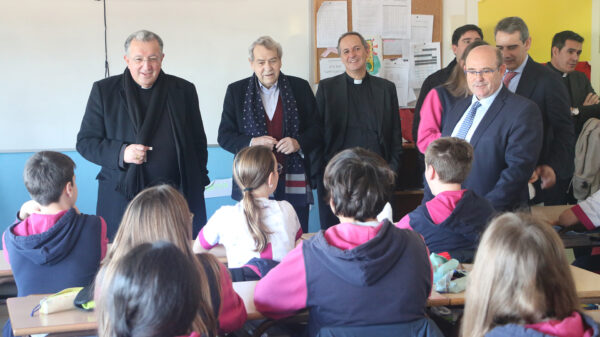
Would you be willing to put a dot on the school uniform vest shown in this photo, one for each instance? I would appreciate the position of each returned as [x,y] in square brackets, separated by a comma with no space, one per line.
[460,231]
[382,281]
[66,255]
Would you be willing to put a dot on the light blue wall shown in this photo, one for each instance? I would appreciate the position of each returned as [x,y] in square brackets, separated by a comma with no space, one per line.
[13,192]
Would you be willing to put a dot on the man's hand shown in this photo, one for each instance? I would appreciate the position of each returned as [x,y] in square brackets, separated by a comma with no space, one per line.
[267,141]
[534,177]
[287,145]
[29,208]
[591,99]
[135,154]
[546,173]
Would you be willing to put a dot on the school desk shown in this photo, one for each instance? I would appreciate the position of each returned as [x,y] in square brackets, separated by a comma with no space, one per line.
[587,285]
[550,214]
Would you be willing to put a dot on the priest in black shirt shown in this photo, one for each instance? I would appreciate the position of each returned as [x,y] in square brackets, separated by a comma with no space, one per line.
[144,128]
[355,109]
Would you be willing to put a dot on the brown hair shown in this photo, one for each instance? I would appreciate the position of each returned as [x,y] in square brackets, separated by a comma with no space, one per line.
[251,169]
[521,276]
[359,183]
[451,158]
[161,213]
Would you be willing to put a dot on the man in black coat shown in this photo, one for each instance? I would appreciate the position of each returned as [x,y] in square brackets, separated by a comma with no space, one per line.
[532,80]
[355,109]
[278,111]
[144,128]
[585,103]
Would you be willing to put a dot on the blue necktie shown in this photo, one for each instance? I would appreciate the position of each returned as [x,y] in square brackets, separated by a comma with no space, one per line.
[466,124]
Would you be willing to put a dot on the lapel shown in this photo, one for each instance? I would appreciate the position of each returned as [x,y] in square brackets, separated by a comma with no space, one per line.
[129,113]
[378,94]
[175,99]
[490,115]
[340,106]
[528,79]
[455,115]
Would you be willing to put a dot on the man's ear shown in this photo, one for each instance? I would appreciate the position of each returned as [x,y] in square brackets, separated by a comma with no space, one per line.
[555,51]
[69,189]
[430,172]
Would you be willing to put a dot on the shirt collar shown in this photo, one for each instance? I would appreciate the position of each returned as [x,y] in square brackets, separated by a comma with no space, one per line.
[270,90]
[486,102]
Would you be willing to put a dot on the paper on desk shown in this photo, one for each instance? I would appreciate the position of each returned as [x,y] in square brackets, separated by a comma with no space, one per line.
[396,21]
[396,47]
[218,188]
[425,59]
[421,28]
[396,70]
[329,67]
[367,16]
[331,23]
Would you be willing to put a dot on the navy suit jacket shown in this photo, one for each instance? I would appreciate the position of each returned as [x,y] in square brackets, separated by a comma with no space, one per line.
[506,144]
[546,89]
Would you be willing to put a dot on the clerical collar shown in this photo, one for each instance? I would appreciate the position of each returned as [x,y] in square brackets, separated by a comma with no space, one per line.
[551,66]
[355,81]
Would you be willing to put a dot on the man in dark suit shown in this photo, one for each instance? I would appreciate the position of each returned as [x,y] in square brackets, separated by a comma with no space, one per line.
[144,128]
[355,109]
[461,38]
[585,104]
[278,111]
[529,79]
[504,129]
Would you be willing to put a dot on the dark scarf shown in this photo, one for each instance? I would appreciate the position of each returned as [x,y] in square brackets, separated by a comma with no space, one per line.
[255,125]
[144,126]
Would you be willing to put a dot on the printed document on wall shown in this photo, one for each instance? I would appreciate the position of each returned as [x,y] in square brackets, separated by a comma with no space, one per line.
[329,67]
[421,28]
[331,23]
[396,23]
[425,60]
[367,16]
[397,70]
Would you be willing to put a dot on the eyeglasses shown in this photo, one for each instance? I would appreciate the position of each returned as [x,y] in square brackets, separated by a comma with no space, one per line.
[150,59]
[483,72]
[279,168]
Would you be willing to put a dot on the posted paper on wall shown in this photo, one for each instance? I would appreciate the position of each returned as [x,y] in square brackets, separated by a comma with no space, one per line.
[367,16]
[396,19]
[396,71]
[329,67]
[425,60]
[421,28]
[396,47]
[331,23]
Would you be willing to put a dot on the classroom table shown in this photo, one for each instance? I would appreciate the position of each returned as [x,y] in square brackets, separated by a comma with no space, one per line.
[587,285]
[550,214]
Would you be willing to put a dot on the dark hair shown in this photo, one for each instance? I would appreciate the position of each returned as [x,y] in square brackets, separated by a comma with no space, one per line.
[362,41]
[251,169]
[513,24]
[457,82]
[46,174]
[151,291]
[460,31]
[560,39]
[451,158]
[359,182]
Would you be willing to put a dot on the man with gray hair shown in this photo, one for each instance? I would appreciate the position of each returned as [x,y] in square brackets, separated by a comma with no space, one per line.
[144,128]
[277,111]
[356,109]
[532,80]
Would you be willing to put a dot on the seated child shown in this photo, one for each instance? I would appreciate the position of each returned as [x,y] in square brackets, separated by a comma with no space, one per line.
[255,227]
[521,284]
[152,291]
[583,217]
[453,220]
[53,246]
[161,213]
[360,272]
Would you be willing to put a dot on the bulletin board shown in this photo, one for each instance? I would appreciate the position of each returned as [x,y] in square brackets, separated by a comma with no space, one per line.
[428,7]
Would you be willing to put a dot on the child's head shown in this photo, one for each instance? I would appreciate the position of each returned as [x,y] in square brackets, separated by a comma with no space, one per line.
[451,159]
[48,175]
[359,183]
[161,213]
[521,275]
[151,291]
[256,173]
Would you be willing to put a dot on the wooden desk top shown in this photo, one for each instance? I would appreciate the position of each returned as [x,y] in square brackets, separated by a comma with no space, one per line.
[548,214]
[587,285]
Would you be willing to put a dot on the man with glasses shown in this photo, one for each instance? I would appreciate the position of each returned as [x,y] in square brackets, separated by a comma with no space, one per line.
[504,129]
[530,79]
[277,111]
[144,128]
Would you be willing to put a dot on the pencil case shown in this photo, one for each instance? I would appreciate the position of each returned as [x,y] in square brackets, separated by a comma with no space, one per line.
[61,301]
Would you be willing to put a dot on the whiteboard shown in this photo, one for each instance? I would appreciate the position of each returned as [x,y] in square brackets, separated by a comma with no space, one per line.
[52,52]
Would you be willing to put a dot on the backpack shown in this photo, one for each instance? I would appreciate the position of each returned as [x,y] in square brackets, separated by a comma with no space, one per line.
[586,178]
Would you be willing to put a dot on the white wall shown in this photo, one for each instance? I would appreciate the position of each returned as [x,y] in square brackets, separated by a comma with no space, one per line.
[52,52]
[456,13]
